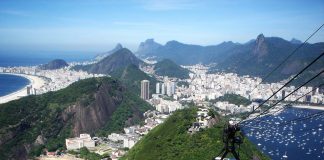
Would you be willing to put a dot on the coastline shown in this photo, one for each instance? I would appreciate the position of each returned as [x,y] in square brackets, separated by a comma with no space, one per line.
[35,81]
[308,107]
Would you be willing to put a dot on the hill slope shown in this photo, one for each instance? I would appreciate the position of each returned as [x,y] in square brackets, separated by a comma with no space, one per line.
[132,76]
[31,123]
[54,64]
[118,60]
[167,67]
[170,140]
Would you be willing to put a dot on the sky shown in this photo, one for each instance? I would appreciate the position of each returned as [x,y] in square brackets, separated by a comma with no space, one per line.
[98,25]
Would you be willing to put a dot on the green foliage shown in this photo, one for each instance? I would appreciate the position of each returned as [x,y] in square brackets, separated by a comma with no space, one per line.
[38,115]
[132,76]
[234,99]
[128,113]
[31,116]
[167,67]
[86,154]
[170,140]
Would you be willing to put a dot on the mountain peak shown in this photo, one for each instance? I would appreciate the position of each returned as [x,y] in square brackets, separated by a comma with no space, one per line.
[123,51]
[260,37]
[103,55]
[150,40]
[54,64]
[261,48]
[295,41]
[147,47]
[118,46]
[173,42]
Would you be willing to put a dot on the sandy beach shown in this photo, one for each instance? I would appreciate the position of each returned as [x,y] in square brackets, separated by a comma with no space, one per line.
[35,81]
[309,107]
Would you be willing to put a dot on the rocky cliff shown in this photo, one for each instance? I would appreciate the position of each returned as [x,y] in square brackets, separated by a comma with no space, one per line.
[30,124]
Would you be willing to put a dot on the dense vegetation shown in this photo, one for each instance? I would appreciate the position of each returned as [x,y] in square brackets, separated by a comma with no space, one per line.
[167,67]
[124,115]
[170,140]
[132,76]
[234,99]
[86,154]
[35,115]
[23,120]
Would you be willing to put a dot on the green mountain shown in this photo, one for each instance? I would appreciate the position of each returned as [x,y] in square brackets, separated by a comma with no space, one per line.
[96,106]
[132,76]
[167,67]
[171,141]
[118,60]
[54,64]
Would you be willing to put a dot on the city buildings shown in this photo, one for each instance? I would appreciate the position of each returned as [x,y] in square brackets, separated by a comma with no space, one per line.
[78,142]
[145,89]
[157,88]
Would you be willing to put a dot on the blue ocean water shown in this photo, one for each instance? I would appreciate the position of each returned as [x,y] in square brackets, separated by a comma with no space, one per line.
[302,139]
[11,83]
[28,58]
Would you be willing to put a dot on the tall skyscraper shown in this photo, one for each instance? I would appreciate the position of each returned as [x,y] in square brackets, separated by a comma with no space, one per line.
[169,89]
[145,89]
[173,87]
[157,88]
[163,89]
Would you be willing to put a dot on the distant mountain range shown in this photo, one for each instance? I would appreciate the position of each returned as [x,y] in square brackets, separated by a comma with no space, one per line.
[96,106]
[184,54]
[256,57]
[54,64]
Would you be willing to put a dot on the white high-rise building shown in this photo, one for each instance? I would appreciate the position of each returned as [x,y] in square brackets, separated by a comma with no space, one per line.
[145,89]
[163,89]
[173,86]
[169,89]
[157,88]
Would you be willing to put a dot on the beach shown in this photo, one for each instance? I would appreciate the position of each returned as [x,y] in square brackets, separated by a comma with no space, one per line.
[309,107]
[35,81]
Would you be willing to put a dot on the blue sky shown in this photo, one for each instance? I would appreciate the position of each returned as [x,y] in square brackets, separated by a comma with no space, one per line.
[97,26]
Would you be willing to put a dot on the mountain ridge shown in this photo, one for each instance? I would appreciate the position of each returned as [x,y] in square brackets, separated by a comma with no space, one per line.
[255,57]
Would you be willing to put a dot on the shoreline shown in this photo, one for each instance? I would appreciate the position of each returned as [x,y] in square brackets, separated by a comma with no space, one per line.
[35,81]
[305,106]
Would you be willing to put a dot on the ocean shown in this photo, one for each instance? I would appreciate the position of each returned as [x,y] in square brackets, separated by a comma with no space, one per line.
[11,58]
[11,83]
[302,139]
